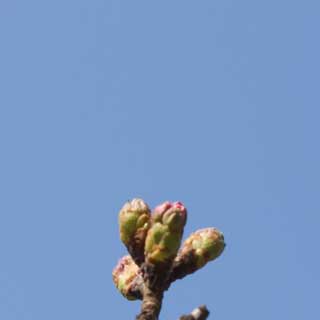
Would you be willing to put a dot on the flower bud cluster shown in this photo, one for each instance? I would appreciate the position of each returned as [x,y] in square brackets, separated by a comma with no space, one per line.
[153,241]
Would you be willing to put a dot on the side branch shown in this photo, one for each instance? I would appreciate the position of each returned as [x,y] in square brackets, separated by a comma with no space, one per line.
[200,313]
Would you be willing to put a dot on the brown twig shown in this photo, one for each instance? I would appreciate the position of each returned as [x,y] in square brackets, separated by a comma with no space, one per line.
[155,277]
[136,254]
[200,313]
[181,267]
[151,304]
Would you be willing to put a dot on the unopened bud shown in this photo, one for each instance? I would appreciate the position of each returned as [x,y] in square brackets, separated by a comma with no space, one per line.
[203,245]
[164,236]
[127,278]
[134,222]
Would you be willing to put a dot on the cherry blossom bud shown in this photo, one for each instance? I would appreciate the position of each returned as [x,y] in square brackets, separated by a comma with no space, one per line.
[164,236]
[134,222]
[203,245]
[127,278]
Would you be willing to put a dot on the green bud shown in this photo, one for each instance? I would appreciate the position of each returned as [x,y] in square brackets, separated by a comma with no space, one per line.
[134,222]
[203,246]
[127,278]
[164,236]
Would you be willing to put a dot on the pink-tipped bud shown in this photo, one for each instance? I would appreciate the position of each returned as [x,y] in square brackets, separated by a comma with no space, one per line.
[127,277]
[164,236]
[172,214]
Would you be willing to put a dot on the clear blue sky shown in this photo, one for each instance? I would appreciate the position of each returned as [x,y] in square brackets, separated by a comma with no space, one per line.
[214,103]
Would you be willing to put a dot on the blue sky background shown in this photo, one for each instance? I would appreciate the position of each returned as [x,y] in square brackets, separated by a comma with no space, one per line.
[214,103]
